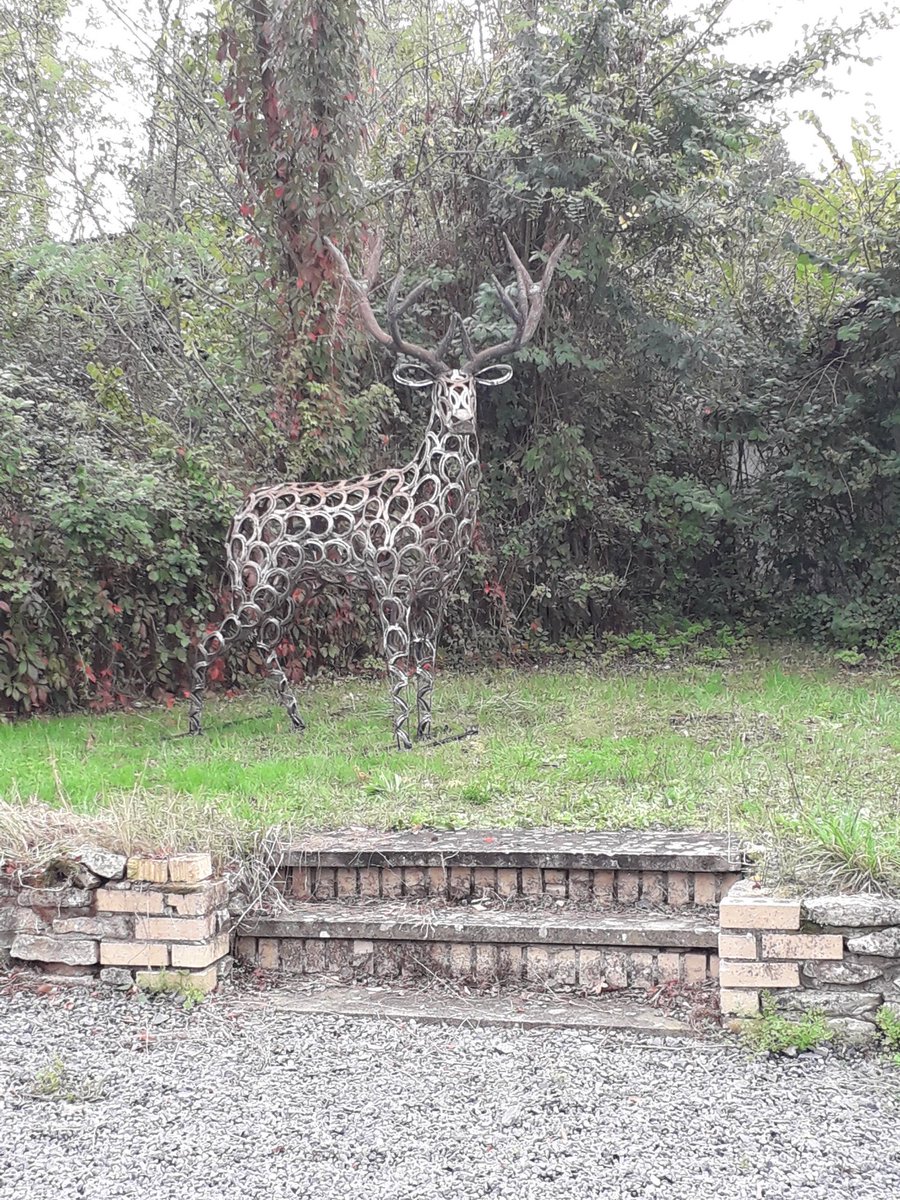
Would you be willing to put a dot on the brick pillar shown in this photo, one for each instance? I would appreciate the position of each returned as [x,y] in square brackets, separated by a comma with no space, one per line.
[761,946]
[177,922]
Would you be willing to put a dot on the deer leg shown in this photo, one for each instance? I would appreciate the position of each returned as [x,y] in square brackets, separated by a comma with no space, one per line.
[270,636]
[212,646]
[426,626]
[394,614]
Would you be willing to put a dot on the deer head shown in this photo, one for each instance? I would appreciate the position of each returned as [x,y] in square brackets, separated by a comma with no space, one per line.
[455,390]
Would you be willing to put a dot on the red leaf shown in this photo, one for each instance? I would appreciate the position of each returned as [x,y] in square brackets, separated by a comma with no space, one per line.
[279,191]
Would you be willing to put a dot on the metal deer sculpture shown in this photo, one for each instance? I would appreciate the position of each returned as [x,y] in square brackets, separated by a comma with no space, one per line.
[400,535]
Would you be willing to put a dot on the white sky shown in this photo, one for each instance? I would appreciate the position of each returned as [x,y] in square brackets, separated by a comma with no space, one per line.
[118,26]
[861,87]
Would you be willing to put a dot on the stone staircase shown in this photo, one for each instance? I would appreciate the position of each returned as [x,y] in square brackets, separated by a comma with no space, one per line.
[593,913]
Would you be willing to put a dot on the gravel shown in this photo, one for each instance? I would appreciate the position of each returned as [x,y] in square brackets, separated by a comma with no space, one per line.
[237,1100]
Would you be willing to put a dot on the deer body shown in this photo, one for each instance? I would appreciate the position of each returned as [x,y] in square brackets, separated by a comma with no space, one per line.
[400,535]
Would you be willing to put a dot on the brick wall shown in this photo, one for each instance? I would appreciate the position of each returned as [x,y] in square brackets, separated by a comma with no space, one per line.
[126,920]
[838,954]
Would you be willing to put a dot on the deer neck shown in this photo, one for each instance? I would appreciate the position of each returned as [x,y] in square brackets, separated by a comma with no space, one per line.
[449,452]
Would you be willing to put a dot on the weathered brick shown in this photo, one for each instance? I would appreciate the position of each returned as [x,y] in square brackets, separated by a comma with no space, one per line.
[555,883]
[615,968]
[346,882]
[369,881]
[509,962]
[603,884]
[94,927]
[200,955]
[714,966]
[362,951]
[486,962]
[174,929]
[460,882]
[459,961]
[485,881]
[531,881]
[652,887]
[57,897]
[209,895]
[435,958]
[883,941]
[563,965]
[267,954]
[537,963]
[507,882]
[849,970]
[415,882]
[338,955]
[301,883]
[704,887]
[803,945]
[324,883]
[119,977]
[21,920]
[640,968]
[387,959]
[679,888]
[694,968]
[293,956]
[105,863]
[436,881]
[745,908]
[118,900]
[759,974]
[668,967]
[134,954]
[628,884]
[579,884]
[392,883]
[72,951]
[190,868]
[737,945]
[245,949]
[739,1002]
[591,975]
[147,870]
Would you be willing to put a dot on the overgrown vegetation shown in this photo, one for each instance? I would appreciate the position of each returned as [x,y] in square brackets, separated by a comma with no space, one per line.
[776,751]
[174,984]
[773,1033]
[57,1082]
[888,1021]
[706,428]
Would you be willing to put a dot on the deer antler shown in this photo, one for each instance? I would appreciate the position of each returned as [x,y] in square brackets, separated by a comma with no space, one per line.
[395,310]
[525,312]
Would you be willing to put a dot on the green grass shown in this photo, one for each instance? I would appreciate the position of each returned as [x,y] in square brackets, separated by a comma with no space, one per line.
[803,754]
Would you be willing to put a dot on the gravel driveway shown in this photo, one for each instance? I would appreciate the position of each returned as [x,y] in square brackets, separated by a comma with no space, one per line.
[229,1101]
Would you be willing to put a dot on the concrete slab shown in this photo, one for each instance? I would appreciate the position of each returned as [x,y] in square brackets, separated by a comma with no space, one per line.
[647,850]
[426,921]
[512,1010]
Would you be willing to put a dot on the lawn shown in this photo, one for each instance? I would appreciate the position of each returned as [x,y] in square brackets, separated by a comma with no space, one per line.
[795,752]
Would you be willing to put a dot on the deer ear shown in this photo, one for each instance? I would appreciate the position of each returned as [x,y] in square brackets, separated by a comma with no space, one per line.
[494,375]
[412,375]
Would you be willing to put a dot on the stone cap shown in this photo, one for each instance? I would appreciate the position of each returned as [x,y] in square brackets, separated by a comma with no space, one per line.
[405,921]
[550,848]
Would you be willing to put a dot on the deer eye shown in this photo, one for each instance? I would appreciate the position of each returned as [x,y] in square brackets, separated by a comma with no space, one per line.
[493,375]
[412,375]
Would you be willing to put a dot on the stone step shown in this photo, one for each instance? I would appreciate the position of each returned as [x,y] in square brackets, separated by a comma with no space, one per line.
[586,948]
[511,1009]
[677,869]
